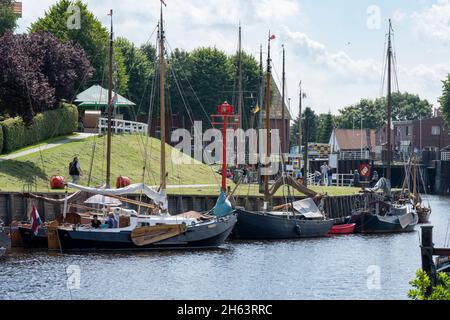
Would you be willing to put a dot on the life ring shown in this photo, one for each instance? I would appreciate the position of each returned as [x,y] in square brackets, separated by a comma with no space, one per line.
[298,229]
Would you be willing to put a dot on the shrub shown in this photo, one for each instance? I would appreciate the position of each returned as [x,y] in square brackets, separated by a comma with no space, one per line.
[1,139]
[45,125]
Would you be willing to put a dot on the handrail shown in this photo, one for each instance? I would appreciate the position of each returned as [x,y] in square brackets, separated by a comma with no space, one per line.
[121,126]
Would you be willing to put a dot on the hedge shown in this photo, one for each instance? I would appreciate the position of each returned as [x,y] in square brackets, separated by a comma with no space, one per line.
[1,139]
[61,121]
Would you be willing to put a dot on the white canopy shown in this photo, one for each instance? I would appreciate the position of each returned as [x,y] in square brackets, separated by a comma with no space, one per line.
[159,198]
[308,208]
[103,200]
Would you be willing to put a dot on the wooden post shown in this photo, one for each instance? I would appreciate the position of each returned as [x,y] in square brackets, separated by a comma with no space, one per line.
[427,249]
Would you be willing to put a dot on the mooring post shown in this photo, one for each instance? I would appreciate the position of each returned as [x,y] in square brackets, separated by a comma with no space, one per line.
[427,249]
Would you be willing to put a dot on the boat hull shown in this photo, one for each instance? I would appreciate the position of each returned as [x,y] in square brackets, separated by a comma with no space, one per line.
[343,229]
[196,237]
[369,223]
[31,240]
[261,226]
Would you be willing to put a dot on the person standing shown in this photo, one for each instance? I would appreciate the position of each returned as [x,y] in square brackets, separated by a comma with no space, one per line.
[324,169]
[356,178]
[75,170]
[375,178]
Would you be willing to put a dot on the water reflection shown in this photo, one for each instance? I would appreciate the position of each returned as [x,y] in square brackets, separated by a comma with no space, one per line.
[328,268]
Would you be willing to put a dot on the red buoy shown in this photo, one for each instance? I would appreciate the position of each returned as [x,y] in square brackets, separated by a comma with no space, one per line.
[57,182]
[122,182]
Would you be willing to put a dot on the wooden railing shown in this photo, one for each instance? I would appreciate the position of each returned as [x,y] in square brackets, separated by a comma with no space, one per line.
[122,126]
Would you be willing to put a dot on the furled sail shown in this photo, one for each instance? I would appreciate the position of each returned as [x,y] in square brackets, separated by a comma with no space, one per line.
[160,198]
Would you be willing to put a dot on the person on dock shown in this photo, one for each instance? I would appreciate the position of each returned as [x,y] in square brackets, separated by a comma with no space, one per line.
[95,223]
[356,178]
[375,179]
[324,169]
[75,170]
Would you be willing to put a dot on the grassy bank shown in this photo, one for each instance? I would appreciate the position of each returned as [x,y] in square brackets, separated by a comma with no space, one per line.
[128,154]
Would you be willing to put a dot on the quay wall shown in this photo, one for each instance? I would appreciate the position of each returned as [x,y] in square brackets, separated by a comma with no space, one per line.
[13,206]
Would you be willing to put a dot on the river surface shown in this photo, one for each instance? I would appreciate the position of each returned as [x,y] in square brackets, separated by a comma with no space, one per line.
[342,267]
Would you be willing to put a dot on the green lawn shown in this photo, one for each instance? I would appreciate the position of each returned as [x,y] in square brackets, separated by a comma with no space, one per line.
[128,154]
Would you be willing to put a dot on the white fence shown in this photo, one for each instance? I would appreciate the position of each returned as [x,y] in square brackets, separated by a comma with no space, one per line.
[122,126]
[445,156]
[339,180]
[355,155]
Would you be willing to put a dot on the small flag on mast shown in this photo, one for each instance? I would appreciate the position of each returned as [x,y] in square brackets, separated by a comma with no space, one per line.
[273,37]
[35,221]
[110,13]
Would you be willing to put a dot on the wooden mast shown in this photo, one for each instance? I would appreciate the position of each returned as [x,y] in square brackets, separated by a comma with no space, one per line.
[261,87]
[283,115]
[110,105]
[300,118]
[268,135]
[389,106]
[240,86]
[163,178]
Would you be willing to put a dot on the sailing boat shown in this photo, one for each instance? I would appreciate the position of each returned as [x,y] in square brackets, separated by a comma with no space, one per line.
[386,216]
[301,219]
[147,232]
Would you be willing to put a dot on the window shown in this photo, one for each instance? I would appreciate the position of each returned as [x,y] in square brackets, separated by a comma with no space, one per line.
[435,130]
[407,130]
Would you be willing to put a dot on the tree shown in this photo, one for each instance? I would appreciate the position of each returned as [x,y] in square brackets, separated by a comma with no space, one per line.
[39,71]
[310,118]
[445,100]
[405,106]
[325,127]
[8,19]
[138,70]
[422,282]
[92,36]
[211,73]
[250,82]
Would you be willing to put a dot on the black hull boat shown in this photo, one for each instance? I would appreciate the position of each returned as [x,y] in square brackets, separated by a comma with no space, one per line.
[272,226]
[207,235]
[31,240]
[398,220]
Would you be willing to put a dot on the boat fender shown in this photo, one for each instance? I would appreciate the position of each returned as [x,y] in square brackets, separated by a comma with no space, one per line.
[298,229]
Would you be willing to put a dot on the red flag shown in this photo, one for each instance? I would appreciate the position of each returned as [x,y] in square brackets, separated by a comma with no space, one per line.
[273,37]
[164,3]
[35,221]
[110,13]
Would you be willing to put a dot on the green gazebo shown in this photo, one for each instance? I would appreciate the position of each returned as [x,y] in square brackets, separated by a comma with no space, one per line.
[96,97]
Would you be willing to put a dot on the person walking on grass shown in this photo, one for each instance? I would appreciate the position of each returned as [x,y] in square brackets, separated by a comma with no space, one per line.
[75,170]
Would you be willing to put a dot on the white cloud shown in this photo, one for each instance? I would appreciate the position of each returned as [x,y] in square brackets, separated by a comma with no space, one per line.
[434,22]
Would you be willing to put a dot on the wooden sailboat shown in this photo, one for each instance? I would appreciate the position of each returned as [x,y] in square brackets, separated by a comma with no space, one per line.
[150,232]
[386,216]
[301,219]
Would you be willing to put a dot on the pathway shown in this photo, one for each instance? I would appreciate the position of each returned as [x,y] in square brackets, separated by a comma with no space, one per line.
[79,136]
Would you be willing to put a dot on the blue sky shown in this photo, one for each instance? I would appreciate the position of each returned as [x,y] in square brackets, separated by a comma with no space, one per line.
[334,46]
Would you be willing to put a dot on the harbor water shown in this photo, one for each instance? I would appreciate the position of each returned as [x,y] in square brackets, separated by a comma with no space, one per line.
[341,267]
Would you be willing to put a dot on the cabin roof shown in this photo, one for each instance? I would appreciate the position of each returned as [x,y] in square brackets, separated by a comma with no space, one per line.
[97,96]
[349,139]
[275,108]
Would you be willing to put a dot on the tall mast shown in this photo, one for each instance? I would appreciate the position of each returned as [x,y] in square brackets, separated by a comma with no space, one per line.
[261,86]
[300,118]
[163,106]
[240,86]
[267,109]
[110,106]
[389,106]
[283,90]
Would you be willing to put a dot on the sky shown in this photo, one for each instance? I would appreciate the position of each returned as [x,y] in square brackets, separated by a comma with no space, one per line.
[336,48]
